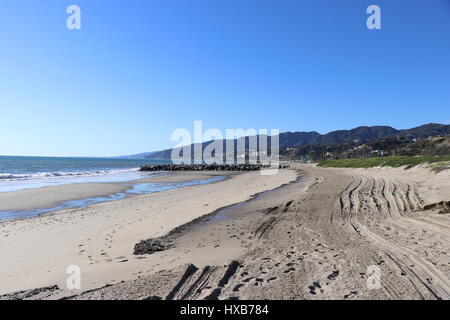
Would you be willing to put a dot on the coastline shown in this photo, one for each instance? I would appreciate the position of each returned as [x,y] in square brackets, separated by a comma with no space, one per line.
[100,238]
[48,199]
[299,242]
[52,196]
[295,235]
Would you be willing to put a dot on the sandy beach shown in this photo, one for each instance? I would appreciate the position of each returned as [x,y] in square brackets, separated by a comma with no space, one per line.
[100,238]
[236,151]
[317,234]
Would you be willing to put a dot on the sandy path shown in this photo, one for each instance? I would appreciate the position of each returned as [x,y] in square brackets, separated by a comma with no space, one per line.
[382,212]
[100,238]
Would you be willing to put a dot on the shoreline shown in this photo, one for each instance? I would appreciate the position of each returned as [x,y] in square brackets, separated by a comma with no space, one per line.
[100,238]
[49,199]
[51,196]
[291,236]
[298,243]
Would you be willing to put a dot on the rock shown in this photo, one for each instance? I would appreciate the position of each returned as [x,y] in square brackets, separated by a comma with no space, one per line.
[150,246]
[205,167]
[442,207]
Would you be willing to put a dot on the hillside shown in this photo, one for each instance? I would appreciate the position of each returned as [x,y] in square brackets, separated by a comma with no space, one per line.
[391,146]
[357,136]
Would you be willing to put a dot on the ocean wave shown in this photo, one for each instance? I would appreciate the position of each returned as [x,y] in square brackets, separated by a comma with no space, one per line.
[60,174]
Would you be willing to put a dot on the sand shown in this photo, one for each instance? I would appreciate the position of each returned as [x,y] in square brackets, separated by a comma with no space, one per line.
[320,237]
[182,176]
[433,187]
[100,238]
[50,197]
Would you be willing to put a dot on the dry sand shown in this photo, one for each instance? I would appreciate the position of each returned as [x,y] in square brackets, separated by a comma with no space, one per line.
[319,237]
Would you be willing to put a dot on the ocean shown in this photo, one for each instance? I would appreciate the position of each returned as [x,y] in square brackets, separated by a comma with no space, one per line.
[17,173]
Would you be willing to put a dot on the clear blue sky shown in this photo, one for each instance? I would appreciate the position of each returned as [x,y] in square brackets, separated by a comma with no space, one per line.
[137,70]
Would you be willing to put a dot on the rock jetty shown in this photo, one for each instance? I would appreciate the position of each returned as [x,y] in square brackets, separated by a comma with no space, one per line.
[204,167]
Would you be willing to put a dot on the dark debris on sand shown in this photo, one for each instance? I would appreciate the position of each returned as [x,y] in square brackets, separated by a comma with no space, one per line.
[150,246]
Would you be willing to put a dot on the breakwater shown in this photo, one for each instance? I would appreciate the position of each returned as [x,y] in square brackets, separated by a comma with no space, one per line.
[204,167]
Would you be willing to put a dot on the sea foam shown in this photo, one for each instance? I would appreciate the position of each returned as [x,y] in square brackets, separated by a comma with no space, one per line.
[60,174]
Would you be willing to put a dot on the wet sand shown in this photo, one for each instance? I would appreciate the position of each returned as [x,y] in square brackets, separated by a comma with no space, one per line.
[52,196]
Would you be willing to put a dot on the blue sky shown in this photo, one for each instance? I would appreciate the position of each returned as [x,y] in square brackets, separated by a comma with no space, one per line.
[138,70]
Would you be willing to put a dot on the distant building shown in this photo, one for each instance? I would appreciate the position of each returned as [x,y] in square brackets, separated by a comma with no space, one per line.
[378,152]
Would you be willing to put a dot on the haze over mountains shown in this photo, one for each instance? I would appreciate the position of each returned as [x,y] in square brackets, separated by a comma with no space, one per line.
[360,134]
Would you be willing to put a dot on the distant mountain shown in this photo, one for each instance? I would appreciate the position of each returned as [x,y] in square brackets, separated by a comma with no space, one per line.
[360,134]
[301,139]
[144,155]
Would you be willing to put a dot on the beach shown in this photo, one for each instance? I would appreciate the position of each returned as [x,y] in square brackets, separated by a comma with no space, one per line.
[304,233]
[36,252]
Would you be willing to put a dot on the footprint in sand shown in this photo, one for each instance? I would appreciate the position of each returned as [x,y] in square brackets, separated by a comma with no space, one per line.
[288,270]
[314,287]
[333,275]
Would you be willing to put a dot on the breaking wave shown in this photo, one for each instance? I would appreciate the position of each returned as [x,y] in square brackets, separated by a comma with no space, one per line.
[50,175]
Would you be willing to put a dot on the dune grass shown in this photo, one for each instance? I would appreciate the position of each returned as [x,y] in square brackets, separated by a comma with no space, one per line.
[409,162]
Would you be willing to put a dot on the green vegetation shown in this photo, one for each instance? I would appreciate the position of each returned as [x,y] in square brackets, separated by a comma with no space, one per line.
[383,162]
[385,147]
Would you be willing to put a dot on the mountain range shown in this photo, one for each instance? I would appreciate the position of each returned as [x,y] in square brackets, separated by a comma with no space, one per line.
[360,134]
